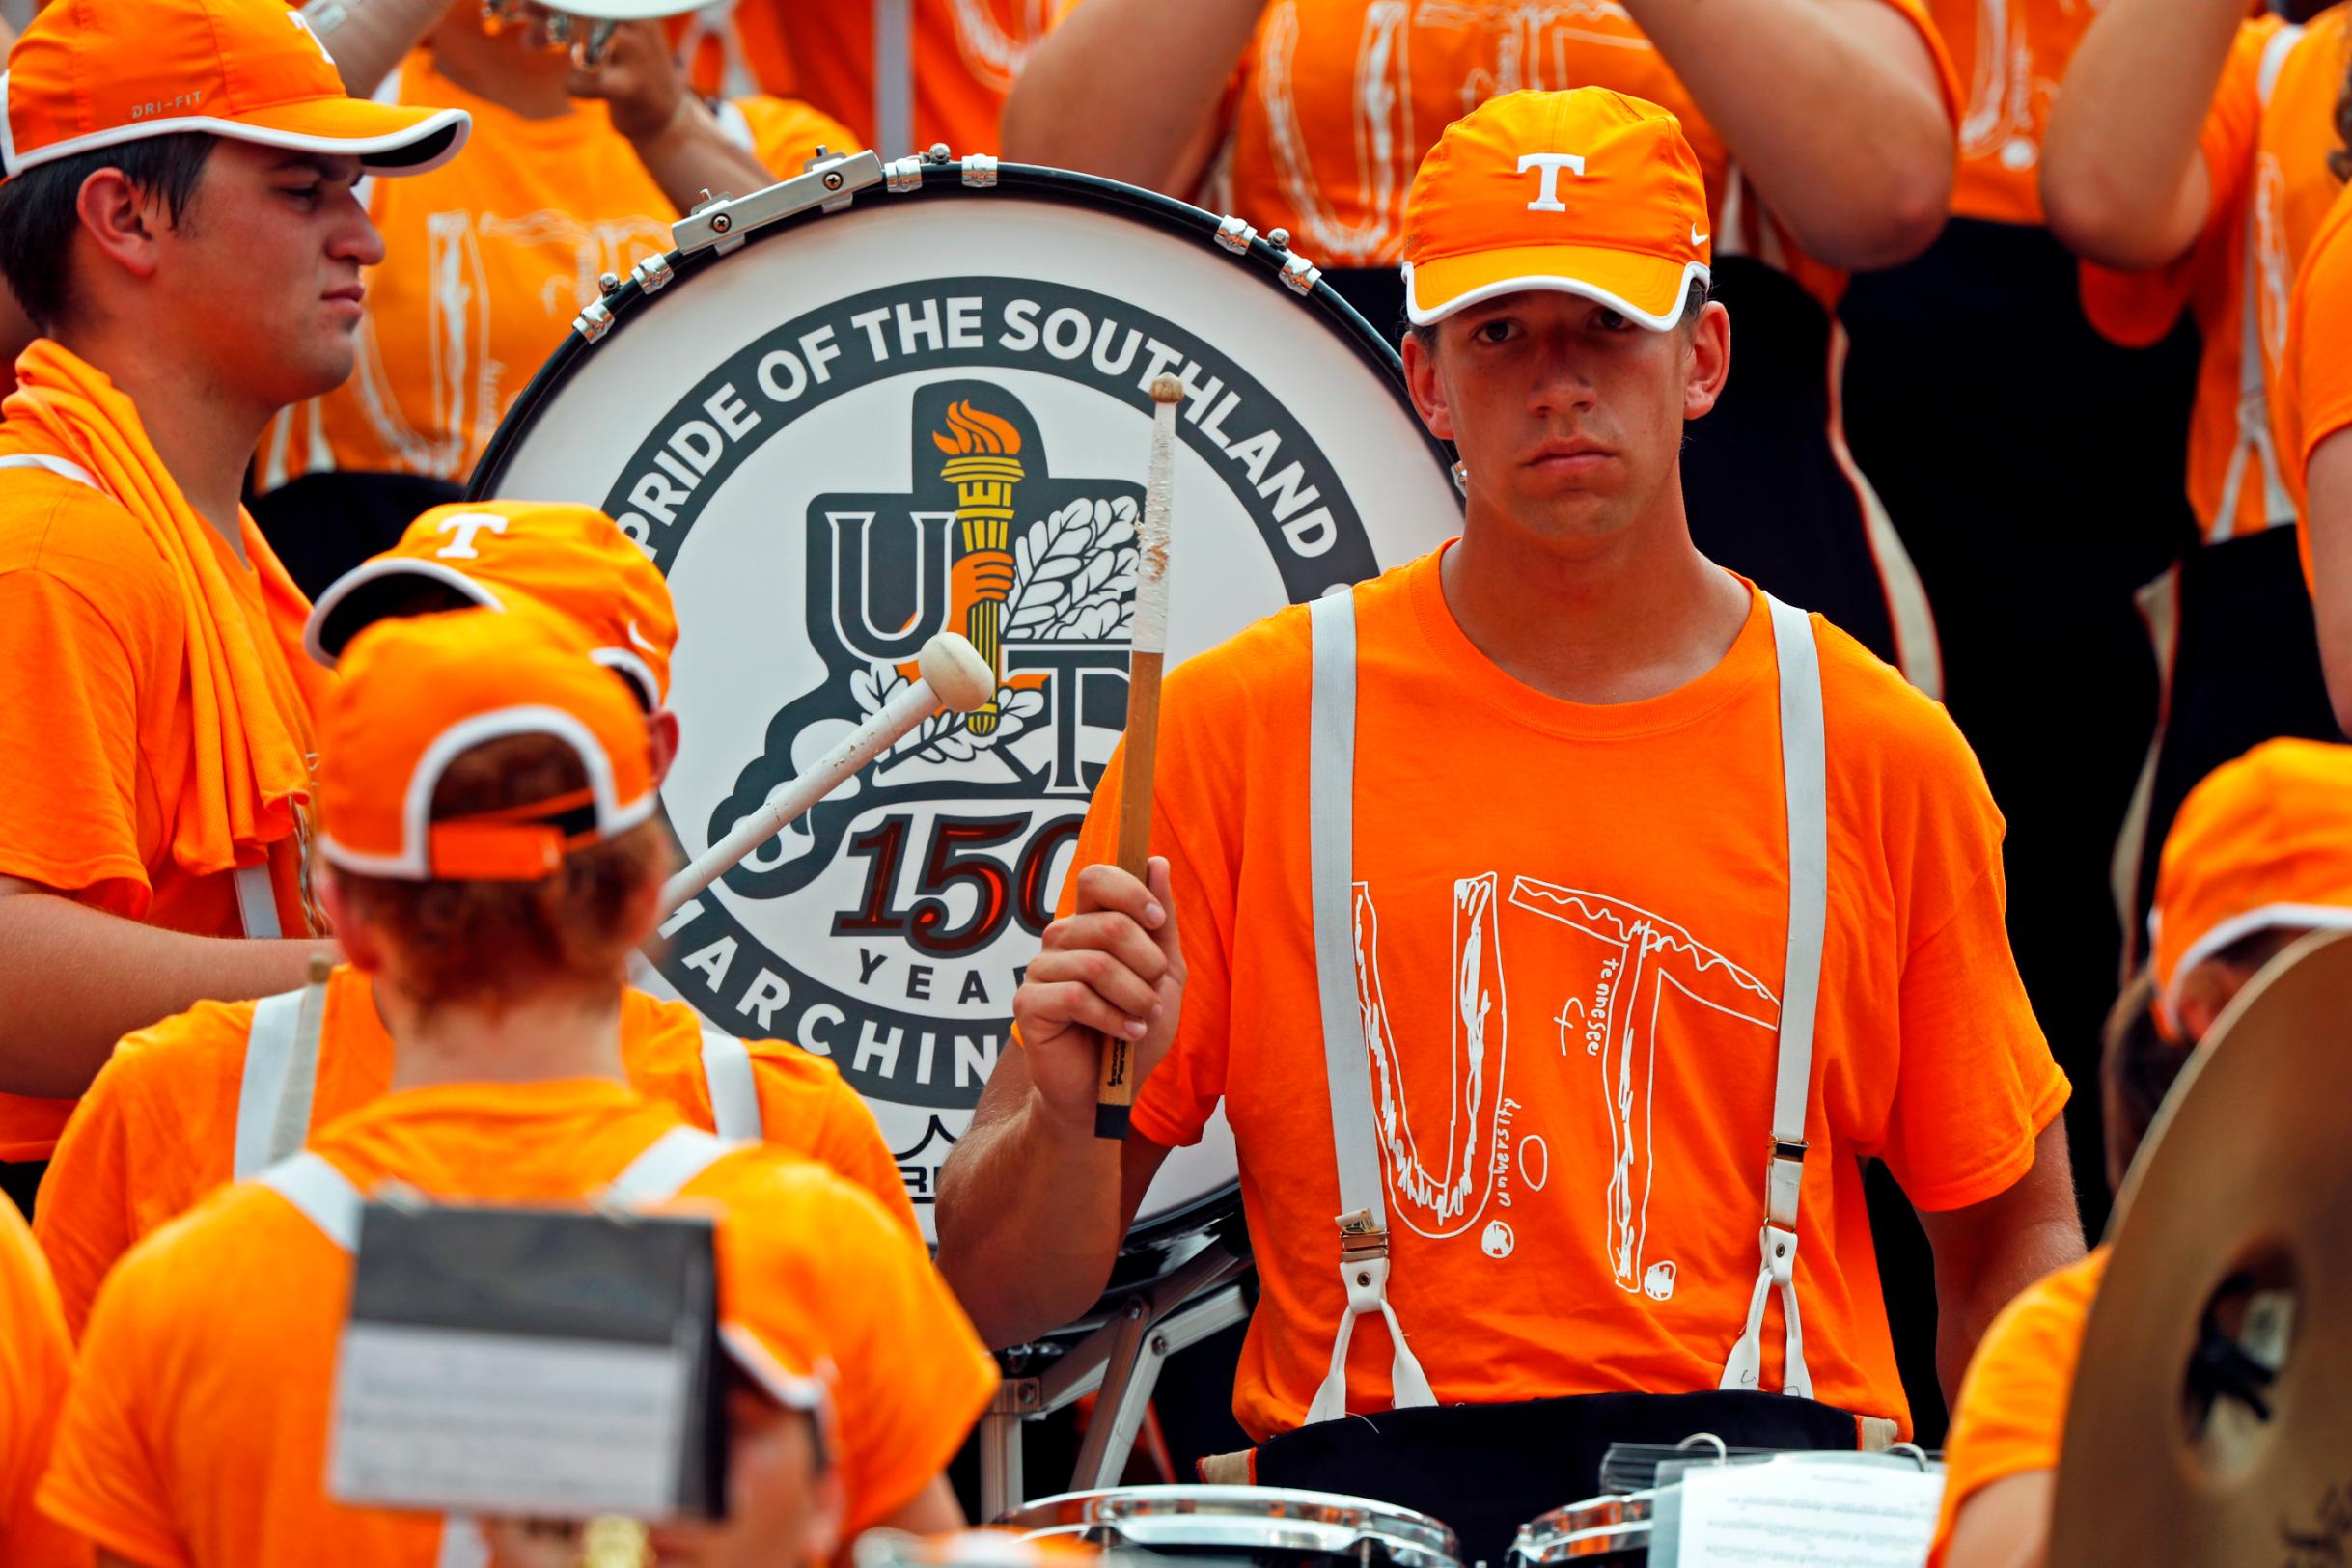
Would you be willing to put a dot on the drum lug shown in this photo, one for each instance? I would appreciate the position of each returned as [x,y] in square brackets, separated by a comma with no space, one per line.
[1236,234]
[980,171]
[724,221]
[904,175]
[652,274]
[593,323]
[1301,275]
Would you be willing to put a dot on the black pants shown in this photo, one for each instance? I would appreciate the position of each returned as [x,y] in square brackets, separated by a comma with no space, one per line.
[2035,471]
[21,1180]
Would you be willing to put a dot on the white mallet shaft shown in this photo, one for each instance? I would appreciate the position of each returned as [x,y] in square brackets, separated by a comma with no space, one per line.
[954,675]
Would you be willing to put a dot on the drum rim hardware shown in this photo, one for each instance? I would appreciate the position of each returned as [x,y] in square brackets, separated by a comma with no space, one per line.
[1326,1522]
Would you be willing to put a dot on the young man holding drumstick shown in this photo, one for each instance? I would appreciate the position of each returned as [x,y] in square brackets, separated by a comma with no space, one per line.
[1561,983]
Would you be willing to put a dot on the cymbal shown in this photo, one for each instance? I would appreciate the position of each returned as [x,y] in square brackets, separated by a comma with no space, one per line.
[2234,1234]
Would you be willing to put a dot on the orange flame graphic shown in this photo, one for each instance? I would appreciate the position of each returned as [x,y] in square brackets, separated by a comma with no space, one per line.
[976,430]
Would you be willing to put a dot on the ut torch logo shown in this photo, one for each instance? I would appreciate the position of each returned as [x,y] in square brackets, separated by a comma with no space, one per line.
[984,465]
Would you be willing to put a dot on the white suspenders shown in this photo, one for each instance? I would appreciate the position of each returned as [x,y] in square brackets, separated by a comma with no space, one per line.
[273,1100]
[1363,1250]
[327,1199]
[257,904]
[2254,436]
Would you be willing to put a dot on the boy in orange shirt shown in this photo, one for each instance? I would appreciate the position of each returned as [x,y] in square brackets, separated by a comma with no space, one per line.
[1560,964]
[487,797]
[36,1365]
[2260,855]
[193,1102]
[193,260]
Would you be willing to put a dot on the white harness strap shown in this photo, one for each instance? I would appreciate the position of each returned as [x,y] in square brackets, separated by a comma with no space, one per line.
[2254,445]
[59,466]
[257,904]
[1804,786]
[894,79]
[670,1161]
[734,1097]
[325,1197]
[274,1099]
[1363,1220]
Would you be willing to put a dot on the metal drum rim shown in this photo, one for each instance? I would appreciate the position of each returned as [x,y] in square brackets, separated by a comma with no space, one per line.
[1545,1538]
[945,181]
[1414,1537]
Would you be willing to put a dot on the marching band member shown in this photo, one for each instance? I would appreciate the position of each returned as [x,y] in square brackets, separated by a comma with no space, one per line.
[2260,856]
[2189,164]
[2313,415]
[1587,993]
[187,1105]
[36,1365]
[1824,133]
[487,260]
[486,802]
[194,264]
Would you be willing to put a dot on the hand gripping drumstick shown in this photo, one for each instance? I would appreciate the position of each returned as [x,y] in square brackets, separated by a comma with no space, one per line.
[954,675]
[1115,1089]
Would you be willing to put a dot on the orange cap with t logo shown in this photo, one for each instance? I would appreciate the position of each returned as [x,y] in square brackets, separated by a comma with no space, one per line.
[1587,192]
[557,557]
[95,74]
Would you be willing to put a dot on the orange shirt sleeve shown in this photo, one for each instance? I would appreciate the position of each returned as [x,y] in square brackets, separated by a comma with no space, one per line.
[1947,74]
[1976,1081]
[2012,1416]
[36,1369]
[84,1219]
[786,133]
[105,1478]
[837,1129]
[69,745]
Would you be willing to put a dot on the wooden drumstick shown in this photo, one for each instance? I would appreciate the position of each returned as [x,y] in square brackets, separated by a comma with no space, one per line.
[954,675]
[1115,1089]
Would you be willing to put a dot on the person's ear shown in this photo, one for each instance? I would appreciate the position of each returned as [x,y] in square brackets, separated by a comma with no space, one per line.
[662,734]
[355,933]
[1711,360]
[119,221]
[1428,390]
[828,1510]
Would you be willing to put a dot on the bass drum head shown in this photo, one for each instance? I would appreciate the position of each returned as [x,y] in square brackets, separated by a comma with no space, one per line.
[813,436]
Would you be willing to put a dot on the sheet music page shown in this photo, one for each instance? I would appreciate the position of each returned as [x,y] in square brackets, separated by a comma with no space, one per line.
[1819,1515]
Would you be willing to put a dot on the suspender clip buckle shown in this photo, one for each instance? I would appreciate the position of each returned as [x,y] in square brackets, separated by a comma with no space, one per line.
[1361,1237]
[1789,1149]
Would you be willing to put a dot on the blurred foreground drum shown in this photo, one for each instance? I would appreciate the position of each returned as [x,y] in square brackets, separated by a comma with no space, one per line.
[866,405]
[1604,1530]
[1263,1524]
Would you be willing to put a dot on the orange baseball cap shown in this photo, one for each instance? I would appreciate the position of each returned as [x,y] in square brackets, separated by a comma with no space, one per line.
[95,74]
[1587,192]
[553,557]
[2262,843]
[417,694]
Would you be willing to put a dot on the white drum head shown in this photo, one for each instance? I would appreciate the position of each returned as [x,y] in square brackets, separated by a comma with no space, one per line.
[780,431]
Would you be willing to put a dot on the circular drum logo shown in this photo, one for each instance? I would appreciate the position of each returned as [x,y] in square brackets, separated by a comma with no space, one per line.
[998,429]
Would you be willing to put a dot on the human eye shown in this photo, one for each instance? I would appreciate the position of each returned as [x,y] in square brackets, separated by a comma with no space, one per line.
[304,194]
[1495,329]
[1608,320]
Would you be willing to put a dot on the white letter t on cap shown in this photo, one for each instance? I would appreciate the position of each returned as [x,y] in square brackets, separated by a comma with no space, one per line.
[465,525]
[1548,199]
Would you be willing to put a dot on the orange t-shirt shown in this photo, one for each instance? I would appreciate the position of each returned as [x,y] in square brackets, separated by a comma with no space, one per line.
[1567,880]
[97,740]
[1337,101]
[195,1435]
[2313,401]
[2012,1411]
[36,1366]
[488,259]
[2012,55]
[965,57]
[157,1130]
[2266,156]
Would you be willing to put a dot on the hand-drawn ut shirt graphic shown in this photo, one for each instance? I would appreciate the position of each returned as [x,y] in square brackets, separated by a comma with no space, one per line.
[1623,1015]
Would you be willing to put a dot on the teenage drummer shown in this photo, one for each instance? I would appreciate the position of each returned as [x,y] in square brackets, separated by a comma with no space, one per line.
[487,263]
[1824,130]
[182,1106]
[1567,956]
[486,798]
[2260,857]
[194,264]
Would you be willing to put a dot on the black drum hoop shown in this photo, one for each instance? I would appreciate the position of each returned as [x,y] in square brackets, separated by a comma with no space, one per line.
[629,304]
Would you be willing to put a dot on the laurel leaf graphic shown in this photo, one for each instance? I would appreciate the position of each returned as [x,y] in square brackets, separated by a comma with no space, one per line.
[866,687]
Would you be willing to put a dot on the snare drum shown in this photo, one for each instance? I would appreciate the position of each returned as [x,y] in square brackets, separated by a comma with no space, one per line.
[1264,1525]
[863,407]
[1603,1531]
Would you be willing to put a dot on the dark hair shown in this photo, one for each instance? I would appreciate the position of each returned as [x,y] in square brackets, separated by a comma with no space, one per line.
[37,215]
[2137,1066]
[477,941]
[2340,156]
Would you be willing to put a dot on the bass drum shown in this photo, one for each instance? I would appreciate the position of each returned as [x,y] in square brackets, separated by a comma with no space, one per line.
[840,431]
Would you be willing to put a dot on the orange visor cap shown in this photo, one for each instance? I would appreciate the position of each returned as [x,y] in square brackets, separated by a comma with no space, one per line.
[417,694]
[95,74]
[1587,192]
[2262,843]
[559,559]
